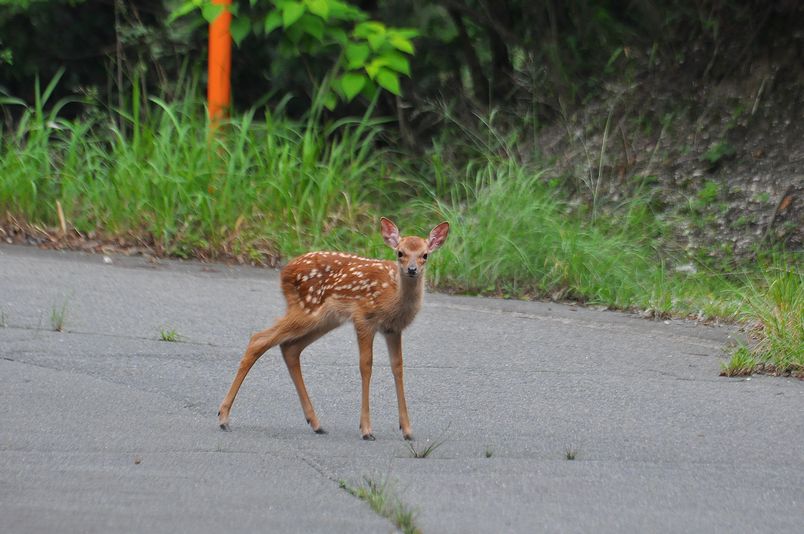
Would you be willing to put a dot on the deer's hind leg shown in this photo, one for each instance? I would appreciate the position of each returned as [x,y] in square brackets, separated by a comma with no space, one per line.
[284,329]
[291,352]
[365,339]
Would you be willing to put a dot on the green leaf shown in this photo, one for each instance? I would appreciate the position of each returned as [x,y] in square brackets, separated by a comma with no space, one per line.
[396,61]
[370,91]
[239,29]
[312,25]
[211,11]
[352,83]
[295,34]
[376,40]
[291,12]
[388,79]
[407,33]
[330,101]
[10,100]
[356,55]
[257,27]
[342,11]
[182,10]
[368,28]
[318,7]
[272,21]
[338,35]
[401,43]
[374,67]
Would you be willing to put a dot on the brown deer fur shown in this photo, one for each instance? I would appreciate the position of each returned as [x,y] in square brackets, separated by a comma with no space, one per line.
[325,289]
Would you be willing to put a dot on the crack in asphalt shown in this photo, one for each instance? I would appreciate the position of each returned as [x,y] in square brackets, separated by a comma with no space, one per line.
[113,336]
[525,370]
[593,325]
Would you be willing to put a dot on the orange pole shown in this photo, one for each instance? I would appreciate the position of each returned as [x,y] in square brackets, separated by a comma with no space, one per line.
[219,65]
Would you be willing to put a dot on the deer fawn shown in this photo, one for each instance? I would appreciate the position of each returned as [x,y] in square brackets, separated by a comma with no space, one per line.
[325,289]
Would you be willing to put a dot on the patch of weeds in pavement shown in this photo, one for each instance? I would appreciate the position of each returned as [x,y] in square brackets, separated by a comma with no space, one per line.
[742,363]
[430,446]
[776,331]
[426,451]
[58,316]
[3,319]
[570,453]
[489,452]
[168,334]
[379,494]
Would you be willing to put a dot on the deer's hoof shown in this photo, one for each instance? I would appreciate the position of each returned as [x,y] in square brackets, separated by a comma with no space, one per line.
[225,427]
[320,430]
[408,437]
[368,437]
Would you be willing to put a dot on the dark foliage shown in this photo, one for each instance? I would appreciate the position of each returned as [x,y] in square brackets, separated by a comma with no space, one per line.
[539,58]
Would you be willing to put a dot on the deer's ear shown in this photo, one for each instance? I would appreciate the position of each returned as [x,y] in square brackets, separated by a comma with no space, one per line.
[390,233]
[437,236]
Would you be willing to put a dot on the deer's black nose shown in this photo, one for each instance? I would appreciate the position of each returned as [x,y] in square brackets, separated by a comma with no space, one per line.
[412,271]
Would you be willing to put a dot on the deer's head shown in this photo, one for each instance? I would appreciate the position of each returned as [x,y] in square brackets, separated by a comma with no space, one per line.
[411,251]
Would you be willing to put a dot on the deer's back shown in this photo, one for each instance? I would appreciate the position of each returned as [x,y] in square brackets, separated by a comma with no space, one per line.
[339,283]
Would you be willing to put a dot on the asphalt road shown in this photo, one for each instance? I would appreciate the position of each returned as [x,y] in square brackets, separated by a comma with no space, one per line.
[105,428]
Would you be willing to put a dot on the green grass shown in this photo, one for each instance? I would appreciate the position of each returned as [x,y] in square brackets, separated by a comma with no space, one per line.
[774,314]
[381,498]
[425,451]
[259,188]
[168,334]
[741,363]
[58,316]
[513,235]
[268,187]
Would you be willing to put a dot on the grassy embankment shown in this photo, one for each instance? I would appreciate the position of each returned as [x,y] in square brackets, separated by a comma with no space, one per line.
[273,186]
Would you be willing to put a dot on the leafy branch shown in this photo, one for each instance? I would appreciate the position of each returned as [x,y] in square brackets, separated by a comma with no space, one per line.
[367,54]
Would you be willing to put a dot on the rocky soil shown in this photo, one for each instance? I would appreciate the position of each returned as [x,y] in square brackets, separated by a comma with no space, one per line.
[721,161]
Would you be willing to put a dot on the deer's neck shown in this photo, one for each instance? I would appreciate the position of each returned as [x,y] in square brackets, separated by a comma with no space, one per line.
[411,289]
[409,297]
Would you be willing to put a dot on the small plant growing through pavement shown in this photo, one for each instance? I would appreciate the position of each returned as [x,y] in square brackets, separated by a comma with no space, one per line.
[380,496]
[570,453]
[428,449]
[742,363]
[425,451]
[489,453]
[58,315]
[168,334]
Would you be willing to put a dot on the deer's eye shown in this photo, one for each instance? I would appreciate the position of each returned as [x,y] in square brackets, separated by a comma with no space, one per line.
[424,256]
[399,254]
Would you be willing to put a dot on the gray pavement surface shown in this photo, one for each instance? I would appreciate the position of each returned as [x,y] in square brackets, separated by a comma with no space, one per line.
[105,428]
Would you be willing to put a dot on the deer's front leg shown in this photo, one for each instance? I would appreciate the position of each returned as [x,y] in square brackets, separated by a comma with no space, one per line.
[394,342]
[365,340]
